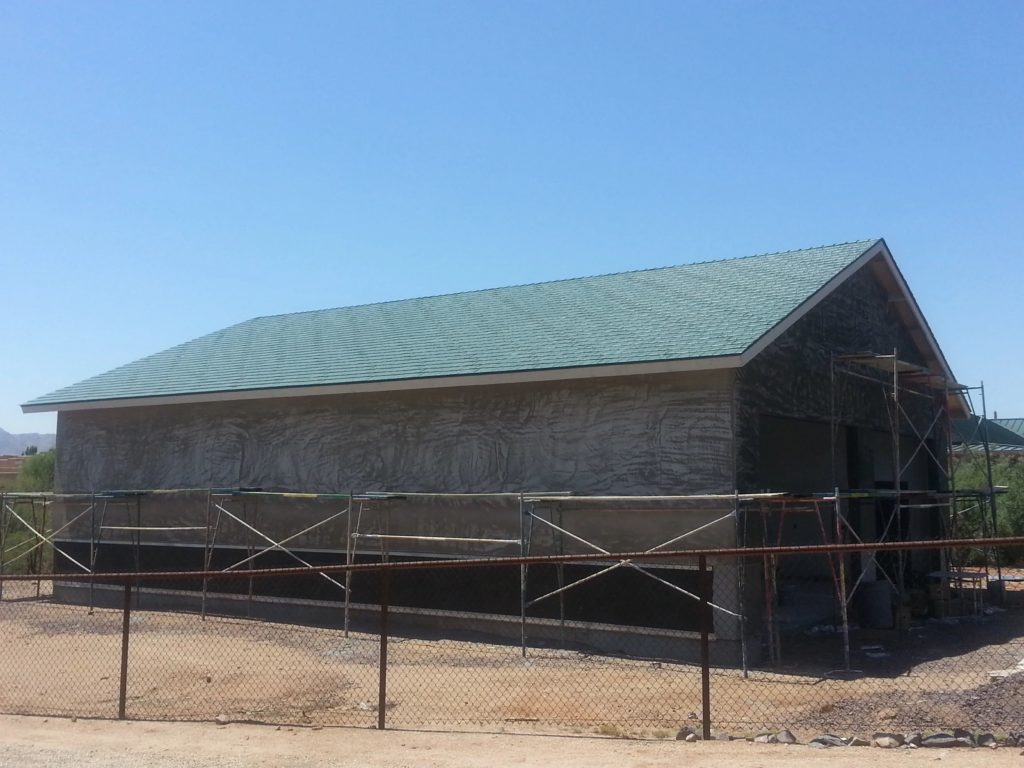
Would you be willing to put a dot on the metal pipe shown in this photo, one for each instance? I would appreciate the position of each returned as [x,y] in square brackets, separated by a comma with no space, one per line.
[210,504]
[522,575]
[138,548]
[898,478]
[39,560]
[560,573]
[382,685]
[805,549]
[3,538]
[348,559]
[122,696]
[842,587]
[705,647]
[404,537]
[741,585]
[692,497]
[250,549]
[206,559]
[97,535]
[92,547]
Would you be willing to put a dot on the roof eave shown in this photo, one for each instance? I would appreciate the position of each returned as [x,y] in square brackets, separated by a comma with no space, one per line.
[394,385]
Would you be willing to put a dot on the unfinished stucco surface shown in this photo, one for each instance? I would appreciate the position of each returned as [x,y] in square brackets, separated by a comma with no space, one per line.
[657,434]
[668,434]
[790,379]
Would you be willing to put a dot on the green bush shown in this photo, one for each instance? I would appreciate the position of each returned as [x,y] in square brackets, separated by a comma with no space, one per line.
[1006,471]
[37,473]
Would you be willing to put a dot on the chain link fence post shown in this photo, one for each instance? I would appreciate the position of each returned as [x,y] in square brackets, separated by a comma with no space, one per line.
[122,696]
[705,647]
[382,688]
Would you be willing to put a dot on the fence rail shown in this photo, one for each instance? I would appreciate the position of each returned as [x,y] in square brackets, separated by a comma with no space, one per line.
[738,641]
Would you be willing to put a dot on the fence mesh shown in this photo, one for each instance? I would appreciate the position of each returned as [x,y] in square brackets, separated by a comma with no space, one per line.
[945,651]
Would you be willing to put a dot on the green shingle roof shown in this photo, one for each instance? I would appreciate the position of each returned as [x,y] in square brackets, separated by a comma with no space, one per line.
[702,310]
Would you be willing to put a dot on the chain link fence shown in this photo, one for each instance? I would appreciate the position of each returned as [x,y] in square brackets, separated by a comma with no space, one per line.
[736,642]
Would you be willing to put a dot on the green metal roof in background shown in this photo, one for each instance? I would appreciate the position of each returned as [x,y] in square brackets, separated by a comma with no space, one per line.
[1004,432]
[710,309]
[1014,425]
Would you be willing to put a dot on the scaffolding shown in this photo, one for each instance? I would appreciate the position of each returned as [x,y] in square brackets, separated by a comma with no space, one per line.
[919,425]
[362,523]
[917,406]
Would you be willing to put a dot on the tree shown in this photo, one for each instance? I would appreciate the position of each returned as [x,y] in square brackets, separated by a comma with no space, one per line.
[1007,471]
[37,473]
[32,450]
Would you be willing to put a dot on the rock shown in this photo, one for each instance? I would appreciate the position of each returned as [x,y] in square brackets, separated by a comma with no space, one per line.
[896,739]
[913,739]
[683,733]
[961,733]
[691,737]
[785,736]
[888,714]
[987,740]
[857,741]
[222,719]
[940,741]
[886,742]
[766,738]
[827,740]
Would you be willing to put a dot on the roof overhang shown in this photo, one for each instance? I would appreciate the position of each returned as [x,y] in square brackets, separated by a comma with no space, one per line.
[398,385]
[877,258]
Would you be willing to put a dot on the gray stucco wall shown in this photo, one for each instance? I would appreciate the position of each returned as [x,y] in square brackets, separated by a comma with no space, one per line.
[666,434]
[656,434]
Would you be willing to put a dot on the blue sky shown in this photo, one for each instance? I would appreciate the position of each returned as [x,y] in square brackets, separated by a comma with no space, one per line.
[167,169]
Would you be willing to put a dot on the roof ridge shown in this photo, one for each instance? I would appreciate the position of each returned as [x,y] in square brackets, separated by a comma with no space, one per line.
[578,278]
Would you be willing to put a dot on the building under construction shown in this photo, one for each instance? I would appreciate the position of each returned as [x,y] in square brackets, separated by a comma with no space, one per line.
[787,398]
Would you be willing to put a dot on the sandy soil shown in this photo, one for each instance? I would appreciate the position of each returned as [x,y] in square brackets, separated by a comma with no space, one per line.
[59,660]
[31,742]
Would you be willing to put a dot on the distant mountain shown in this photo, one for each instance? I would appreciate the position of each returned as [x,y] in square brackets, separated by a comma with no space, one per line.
[16,444]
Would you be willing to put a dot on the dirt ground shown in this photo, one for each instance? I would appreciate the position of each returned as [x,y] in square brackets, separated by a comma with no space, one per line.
[60,660]
[28,742]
